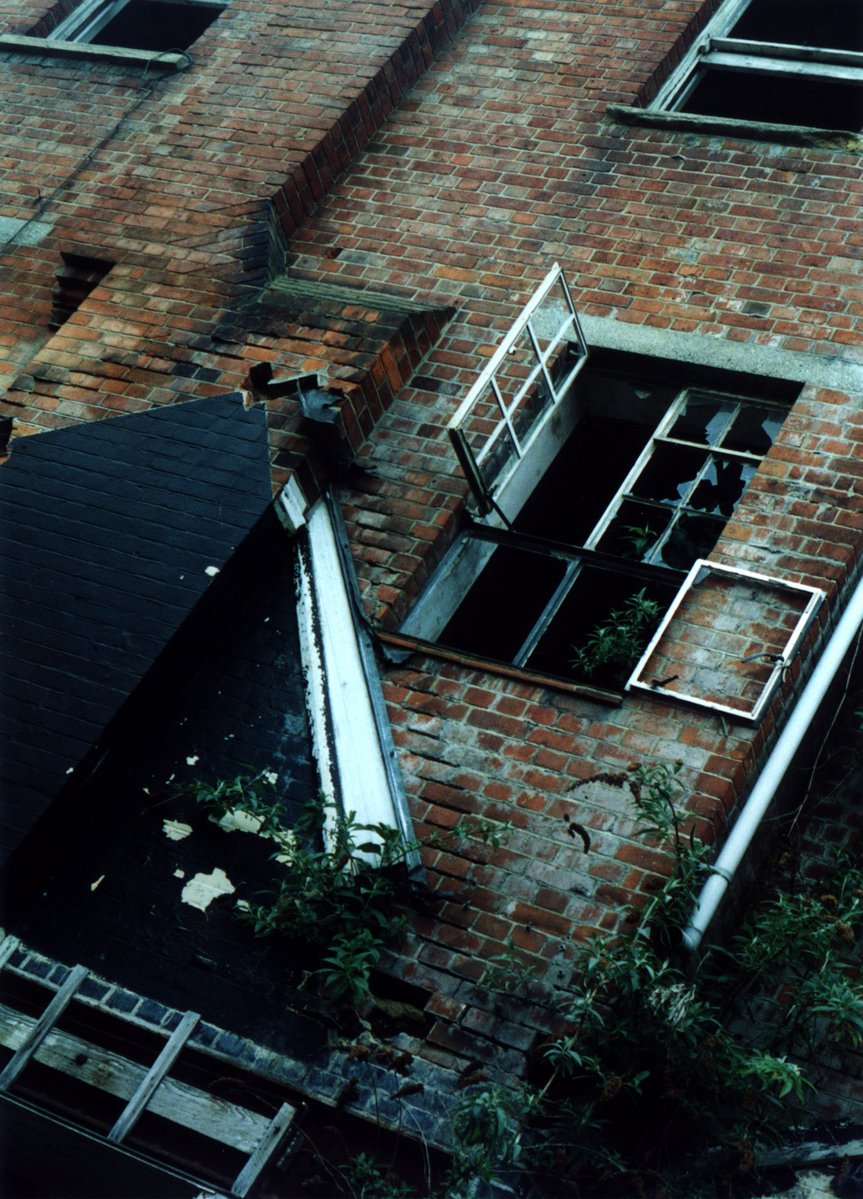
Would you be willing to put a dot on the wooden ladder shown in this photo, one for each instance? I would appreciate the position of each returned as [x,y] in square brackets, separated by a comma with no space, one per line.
[142,1089]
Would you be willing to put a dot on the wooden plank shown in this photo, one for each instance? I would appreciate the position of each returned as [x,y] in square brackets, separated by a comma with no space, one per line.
[179,1102]
[270,1142]
[42,1026]
[154,1077]
[7,948]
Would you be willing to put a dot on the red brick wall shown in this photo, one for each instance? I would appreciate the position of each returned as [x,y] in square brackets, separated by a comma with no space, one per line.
[452,181]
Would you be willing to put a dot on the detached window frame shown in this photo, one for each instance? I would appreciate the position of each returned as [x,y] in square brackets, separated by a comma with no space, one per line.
[774,61]
[502,483]
[777,662]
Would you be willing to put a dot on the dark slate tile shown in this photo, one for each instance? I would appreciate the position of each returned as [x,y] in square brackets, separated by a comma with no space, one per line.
[106,537]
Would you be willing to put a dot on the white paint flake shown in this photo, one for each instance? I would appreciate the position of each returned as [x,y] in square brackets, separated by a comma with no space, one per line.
[176,830]
[241,821]
[98,881]
[212,571]
[179,873]
[192,760]
[200,891]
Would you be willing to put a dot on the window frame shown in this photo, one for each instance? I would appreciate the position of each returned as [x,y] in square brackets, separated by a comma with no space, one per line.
[487,491]
[490,527]
[713,49]
[701,568]
[90,18]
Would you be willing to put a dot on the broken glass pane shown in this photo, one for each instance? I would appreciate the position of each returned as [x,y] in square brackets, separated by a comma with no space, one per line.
[754,430]
[635,530]
[704,418]
[722,486]
[670,474]
[691,537]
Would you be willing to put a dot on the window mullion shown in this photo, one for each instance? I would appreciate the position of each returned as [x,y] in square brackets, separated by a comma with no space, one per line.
[548,613]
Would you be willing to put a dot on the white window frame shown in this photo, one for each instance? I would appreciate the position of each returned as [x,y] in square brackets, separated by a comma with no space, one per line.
[90,17]
[699,571]
[550,328]
[715,50]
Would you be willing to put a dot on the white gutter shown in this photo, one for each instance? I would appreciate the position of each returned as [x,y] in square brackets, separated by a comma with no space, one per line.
[774,771]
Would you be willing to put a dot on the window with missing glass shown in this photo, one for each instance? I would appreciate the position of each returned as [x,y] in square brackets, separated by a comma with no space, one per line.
[784,62]
[583,528]
[149,25]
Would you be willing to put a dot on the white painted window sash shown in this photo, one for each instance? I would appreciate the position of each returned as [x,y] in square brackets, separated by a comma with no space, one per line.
[545,343]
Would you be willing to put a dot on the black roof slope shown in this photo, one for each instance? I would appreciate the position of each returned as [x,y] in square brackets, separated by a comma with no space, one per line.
[110,534]
[100,882]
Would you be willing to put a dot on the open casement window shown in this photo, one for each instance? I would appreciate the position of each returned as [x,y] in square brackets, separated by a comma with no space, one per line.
[155,25]
[568,581]
[515,398]
[785,62]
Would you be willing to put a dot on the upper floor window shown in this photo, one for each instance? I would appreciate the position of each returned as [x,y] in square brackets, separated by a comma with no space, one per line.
[596,486]
[155,25]
[785,62]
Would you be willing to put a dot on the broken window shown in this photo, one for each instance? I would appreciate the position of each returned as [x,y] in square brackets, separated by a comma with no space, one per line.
[774,61]
[155,25]
[571,557]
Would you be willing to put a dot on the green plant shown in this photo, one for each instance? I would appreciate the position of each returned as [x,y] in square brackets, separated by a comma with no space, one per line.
[248,794]
[640,537]
[613,646]
[509,972]
[337,883]
[367,1180]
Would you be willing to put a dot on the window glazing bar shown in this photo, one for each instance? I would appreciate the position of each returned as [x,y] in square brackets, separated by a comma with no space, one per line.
[819,54]
[785,68]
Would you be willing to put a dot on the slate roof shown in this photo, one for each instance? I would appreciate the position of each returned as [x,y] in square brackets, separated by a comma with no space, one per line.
[110,535]
[101,882]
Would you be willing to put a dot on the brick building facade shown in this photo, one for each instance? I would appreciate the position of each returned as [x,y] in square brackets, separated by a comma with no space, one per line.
[370,194]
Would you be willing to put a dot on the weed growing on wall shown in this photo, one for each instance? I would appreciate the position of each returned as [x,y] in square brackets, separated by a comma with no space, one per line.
[613,646]
[661,1079]
[339,884]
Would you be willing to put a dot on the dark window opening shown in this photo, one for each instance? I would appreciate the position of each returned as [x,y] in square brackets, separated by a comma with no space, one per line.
[837,25]
[752,96]
[659,457]
[156,25]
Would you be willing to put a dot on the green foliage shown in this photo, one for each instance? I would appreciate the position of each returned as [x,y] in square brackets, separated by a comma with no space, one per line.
[510,973]
[337,882]
[251,794]
[660,1080]
[367,1180]
[613,647]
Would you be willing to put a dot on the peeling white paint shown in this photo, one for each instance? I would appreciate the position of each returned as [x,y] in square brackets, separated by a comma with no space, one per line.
[98,881]
[178,873]
[212,571]
[240,821]
[192,760]
[200,891]
[176,830]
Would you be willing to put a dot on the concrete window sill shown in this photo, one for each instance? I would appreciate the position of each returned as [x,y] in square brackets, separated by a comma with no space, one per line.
[45,47]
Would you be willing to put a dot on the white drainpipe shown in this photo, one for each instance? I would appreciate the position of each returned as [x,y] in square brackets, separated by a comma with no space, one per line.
[774,771]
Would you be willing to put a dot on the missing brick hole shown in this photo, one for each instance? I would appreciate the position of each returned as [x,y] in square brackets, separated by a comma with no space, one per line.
[74,281]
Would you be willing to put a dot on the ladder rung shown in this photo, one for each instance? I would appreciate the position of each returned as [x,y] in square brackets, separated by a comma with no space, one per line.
[43,1026]
[154,1076]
